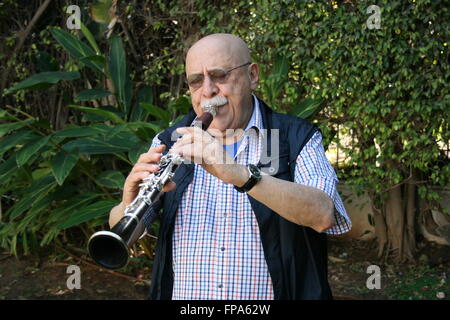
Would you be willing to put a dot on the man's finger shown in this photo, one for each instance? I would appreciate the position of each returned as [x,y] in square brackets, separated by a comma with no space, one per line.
[154,155]
[135,178]
[142,166]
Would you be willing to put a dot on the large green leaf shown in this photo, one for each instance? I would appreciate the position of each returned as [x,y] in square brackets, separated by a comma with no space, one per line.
[139,124]
[24,154]
[91,145]
[306,108]
[71,204]
[84,214]
[14,139]
[111,179]
[90,38]
[144,95]
[97,59]
[77,131]
[44,80]
[180,105]
[279,76]
[7,127]
[62,164]
[118,69]
[97,111]
[159,113]
[76,48]
[7,168]
[92,94]
[32,195]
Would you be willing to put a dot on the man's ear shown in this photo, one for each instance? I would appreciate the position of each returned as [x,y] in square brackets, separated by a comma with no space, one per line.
[254,75]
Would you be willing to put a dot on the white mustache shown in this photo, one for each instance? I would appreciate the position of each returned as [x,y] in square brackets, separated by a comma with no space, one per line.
[217,101]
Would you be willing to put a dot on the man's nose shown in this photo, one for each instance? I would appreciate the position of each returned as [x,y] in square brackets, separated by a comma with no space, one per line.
[209,88]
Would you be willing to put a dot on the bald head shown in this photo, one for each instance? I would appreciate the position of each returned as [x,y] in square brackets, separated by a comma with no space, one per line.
[231,48]
[217,67]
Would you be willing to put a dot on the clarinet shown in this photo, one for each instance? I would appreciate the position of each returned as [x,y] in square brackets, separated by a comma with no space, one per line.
[111,249]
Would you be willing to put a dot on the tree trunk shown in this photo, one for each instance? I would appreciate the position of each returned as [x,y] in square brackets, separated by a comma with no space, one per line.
[395,230]
[395,220]
[410,214]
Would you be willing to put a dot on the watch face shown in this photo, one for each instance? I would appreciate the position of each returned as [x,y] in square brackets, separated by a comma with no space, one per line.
[255,170]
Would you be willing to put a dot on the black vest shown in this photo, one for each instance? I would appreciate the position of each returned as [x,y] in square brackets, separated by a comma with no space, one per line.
[296,256]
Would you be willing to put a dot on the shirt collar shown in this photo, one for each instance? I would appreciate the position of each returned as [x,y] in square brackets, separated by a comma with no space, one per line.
[256,119]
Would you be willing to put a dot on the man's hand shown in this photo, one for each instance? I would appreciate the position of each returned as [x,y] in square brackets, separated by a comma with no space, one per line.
[146,164]
[204,149]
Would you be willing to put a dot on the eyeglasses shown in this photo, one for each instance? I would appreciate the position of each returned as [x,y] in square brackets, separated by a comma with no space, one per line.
[195,81]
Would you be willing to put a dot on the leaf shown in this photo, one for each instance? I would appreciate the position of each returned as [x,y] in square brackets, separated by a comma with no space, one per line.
[44,80]
[107,114]
[77,132]
[92,94]
[7,127]
[138,124]
[92,211]
[117,68]
[76,48]
[87,33]
[279,76]
[157,112]
[101,146]
[33,194]
[100,11]
[97,59]
[111,179]
[306,108]
[138,113]
[30,149]
[7,168]
[181,105]
[71,205]
[15,139]
[116,130]
[134,154]
[62,164]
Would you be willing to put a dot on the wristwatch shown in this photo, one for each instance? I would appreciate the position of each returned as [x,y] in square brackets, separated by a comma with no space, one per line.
[254,177]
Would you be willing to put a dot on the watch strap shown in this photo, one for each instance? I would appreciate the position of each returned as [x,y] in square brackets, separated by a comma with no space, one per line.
[252,180]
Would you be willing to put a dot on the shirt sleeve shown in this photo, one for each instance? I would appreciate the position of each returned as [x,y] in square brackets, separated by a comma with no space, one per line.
[314,170]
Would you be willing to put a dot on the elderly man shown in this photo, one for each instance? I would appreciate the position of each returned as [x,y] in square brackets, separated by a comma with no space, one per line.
[227,230]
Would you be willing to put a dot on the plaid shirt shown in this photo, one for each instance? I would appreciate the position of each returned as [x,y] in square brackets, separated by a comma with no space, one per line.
[217,250]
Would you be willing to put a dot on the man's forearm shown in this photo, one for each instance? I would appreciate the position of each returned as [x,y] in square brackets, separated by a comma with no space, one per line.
[297,203]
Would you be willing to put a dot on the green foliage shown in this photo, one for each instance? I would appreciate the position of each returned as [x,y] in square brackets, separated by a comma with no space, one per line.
[43,80]
[385,87]
[45,170]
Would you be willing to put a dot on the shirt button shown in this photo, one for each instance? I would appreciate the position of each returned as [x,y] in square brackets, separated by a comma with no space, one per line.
[220,286]
[222,249]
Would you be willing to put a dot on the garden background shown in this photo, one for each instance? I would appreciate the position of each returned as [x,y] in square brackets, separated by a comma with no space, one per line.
[81,99]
